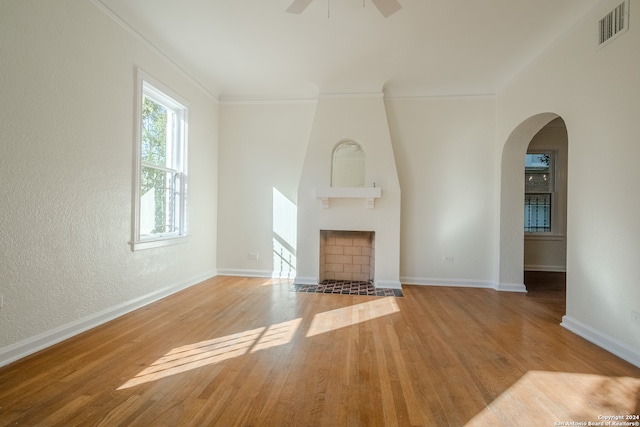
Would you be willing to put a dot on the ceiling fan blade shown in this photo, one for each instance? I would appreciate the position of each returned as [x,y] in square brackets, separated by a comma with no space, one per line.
[386,7]
[298,6]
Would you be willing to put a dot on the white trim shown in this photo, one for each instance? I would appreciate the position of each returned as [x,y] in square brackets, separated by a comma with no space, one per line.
[422,97]
[545,236]
[387,284]
[369,194]
[551,268]
[233,101]
[464,283]
[306,100]
[612,345]
[511,287]
[245,273]
[159,242]
[459,283]
[305,280]
[352,95]
[138,36]
[46,339]
[147,85]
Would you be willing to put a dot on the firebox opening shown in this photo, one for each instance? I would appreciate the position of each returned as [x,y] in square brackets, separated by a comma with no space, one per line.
[347,255]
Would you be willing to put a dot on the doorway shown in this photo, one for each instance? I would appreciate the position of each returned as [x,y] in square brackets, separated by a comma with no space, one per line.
[545,211]
[511,275]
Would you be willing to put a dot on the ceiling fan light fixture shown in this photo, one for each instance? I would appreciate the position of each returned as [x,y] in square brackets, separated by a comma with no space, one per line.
[298,6]
[386,7]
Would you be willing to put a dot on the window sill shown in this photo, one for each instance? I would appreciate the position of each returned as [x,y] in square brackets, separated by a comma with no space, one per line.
[158,242]
[545,236]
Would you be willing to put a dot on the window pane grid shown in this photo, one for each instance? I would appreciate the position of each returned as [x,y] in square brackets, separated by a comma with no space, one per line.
[160,197]
[160,207]
[537,213]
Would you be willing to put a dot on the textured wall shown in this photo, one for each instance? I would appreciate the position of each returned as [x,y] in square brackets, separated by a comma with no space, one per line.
[66,144]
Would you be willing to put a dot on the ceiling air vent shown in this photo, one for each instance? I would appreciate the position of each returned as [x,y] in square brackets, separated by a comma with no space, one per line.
[613,23]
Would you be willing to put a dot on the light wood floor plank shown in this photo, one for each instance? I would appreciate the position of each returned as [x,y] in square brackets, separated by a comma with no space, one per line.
[250,352]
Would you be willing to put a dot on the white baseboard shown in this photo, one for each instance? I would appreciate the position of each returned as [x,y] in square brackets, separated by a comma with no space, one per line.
[612,345]
[306,280]
[425,281]
[244,273]
[46,339]
[463,283]
[511,287]
[388,284]
[252,273]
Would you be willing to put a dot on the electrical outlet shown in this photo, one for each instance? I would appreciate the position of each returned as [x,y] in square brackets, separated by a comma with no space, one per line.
[448,258]
[635,317]
[253,255]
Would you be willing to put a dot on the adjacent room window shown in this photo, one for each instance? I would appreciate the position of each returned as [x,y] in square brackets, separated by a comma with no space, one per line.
[160,188]
[539,190]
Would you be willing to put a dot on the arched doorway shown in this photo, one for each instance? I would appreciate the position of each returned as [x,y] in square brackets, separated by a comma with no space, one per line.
[545,203]
[545,213]
[512,188]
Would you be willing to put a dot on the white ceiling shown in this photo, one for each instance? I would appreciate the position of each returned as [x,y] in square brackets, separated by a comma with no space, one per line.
[253,49]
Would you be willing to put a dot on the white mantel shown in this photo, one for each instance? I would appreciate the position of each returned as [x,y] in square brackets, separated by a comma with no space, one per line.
[367,193]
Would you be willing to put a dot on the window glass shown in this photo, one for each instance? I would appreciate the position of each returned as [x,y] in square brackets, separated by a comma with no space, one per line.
[538,186]
[161,176]
[537,213]
[538,176]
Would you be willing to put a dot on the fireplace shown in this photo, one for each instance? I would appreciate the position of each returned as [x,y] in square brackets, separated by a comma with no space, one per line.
[369,205]
[347,255]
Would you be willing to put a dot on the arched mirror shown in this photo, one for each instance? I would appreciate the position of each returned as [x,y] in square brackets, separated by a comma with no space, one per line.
[348,166]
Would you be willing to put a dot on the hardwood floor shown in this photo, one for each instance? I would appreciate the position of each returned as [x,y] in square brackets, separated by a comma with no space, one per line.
[249,352]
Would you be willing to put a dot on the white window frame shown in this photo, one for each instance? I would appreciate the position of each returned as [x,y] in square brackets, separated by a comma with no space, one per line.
[554,210]
[151,88]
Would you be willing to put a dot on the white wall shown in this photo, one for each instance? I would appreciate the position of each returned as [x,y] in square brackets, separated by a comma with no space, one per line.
[597,93]
[262,148]
[444,153]
[66,139]
[446,164]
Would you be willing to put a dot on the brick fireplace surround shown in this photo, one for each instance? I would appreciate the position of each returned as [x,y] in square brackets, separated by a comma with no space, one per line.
[347,255]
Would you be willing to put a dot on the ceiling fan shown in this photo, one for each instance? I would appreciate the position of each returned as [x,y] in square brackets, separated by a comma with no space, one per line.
[386,7]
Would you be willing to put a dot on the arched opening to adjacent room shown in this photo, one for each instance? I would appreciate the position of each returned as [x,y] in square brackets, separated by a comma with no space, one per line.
[533,214]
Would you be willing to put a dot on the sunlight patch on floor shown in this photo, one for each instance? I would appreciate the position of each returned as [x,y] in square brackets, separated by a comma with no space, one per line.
[352,315]
[204,353]
[562,398]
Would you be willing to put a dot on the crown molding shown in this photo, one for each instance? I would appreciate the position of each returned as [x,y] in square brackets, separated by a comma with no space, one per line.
[146,42]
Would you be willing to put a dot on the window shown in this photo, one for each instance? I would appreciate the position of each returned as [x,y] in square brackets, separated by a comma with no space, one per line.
[161,148]
[539,190]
